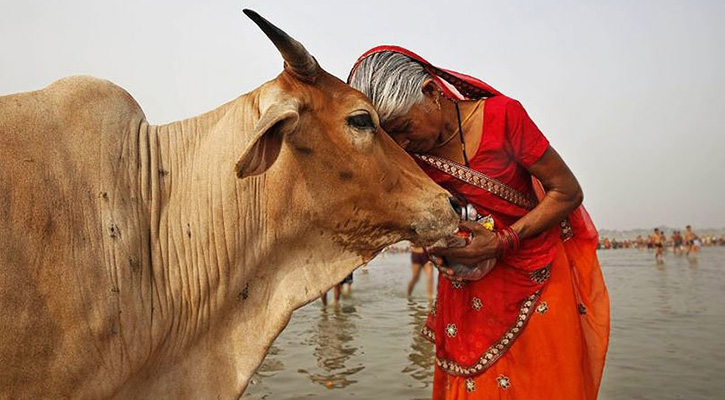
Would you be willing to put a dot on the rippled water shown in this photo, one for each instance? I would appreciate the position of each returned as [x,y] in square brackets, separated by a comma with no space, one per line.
[668,335]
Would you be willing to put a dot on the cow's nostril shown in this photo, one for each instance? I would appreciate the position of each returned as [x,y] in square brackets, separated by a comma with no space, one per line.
[456,205]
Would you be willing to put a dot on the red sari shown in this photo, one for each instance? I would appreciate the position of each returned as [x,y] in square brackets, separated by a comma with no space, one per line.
[537,326]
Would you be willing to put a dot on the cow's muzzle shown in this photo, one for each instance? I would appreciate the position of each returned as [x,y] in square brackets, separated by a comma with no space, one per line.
[440,221]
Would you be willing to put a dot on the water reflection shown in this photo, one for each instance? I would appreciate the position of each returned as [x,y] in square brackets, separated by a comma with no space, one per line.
[420,358]
[678,288]
[334,345]
[272,363]
[663,290]
[667,324]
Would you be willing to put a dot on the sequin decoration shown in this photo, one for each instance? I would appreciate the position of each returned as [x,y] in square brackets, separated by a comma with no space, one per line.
[451,330]
[503,382]
[541,275]
[542,308]
[496,350]
[566,231]
[476,303]
[470,385]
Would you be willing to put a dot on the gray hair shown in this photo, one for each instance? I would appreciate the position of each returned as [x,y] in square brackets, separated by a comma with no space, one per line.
[392,81]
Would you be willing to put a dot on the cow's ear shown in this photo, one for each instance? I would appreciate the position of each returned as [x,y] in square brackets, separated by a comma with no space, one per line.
[262,151]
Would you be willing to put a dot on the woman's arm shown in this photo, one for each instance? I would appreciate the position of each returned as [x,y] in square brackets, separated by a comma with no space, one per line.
[563,195]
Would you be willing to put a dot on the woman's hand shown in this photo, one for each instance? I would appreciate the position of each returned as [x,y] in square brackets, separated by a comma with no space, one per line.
[444,269]
[482,247]
[463,273]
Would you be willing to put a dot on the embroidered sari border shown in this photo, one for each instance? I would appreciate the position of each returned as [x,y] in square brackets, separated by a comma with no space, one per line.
[496,350]
[479,180]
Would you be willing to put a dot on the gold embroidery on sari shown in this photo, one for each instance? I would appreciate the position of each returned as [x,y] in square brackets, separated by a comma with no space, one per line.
[458,284]
[503,382]
[491,185]
[428,334]
[566,231]
[470,385]
[480,180]
[496,350]
[451,330]
[541,275]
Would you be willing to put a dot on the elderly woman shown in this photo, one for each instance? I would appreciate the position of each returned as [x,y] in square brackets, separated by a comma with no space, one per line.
[536,324]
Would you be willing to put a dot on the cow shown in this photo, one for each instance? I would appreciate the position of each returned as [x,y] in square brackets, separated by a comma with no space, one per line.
[147,262]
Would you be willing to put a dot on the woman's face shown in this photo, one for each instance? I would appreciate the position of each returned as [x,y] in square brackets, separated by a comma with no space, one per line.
[419,130]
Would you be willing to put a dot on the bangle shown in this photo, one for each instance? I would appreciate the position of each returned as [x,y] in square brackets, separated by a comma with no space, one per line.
[508,241]
[515,236]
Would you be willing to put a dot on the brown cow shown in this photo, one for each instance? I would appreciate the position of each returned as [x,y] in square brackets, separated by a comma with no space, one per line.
[141,261]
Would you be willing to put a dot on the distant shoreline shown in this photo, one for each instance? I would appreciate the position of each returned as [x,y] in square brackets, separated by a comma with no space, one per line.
[623,234]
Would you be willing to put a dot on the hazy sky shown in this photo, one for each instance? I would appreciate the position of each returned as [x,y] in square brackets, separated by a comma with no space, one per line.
[629,92]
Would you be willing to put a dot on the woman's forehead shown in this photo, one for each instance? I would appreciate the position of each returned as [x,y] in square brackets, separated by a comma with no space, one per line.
[397,124]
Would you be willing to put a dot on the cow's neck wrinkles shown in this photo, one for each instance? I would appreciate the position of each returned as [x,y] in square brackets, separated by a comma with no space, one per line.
[214,238]
[195,200]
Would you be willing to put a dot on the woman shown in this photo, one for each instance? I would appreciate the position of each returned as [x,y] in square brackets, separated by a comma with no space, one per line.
[536,326]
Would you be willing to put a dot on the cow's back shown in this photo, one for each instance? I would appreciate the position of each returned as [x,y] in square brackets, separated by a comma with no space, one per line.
[69,213]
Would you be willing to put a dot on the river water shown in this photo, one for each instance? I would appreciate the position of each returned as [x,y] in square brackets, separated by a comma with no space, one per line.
[667,341]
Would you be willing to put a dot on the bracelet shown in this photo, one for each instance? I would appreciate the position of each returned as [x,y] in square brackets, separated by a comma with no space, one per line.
[508,241]
[515,242]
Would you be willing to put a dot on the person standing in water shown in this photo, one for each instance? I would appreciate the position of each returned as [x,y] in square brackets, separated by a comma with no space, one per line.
[338,289]
[692,243]
[659,244]
[420,262]
[677,243]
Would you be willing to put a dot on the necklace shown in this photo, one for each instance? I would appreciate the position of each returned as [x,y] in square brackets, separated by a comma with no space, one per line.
[460,129]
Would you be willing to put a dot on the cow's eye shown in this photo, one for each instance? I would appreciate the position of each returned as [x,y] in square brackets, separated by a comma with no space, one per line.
[362,121]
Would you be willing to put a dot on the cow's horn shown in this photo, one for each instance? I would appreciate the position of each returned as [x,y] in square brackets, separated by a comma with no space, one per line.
[299,61]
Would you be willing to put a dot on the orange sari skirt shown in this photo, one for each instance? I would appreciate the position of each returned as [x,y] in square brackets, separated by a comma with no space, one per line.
[560,354]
